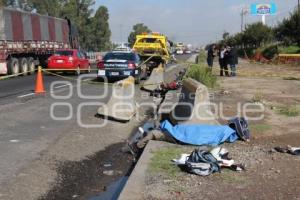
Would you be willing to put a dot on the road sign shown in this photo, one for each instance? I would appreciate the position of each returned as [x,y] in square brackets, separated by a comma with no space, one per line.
[263,9]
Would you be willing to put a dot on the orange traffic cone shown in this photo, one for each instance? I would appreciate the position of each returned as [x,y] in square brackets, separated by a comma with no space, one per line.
[39,84]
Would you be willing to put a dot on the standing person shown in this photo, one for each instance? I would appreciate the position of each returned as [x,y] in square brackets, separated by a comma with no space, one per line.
[222,61]
[226,60]
[233,61]
[211,55]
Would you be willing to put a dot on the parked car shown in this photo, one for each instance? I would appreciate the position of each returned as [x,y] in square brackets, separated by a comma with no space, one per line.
[121,64]
[69,60]
[179,52]
[187,51]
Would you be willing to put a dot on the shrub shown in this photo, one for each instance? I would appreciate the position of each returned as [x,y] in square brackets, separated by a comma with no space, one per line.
[289,110]
[202,74]
[290,50]
[270,51]
[202,57]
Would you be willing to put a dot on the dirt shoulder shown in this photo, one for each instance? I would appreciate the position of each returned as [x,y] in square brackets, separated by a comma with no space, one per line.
[268,175]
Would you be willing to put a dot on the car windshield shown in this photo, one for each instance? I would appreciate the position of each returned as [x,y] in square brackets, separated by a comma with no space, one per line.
[63,53]
[119,56]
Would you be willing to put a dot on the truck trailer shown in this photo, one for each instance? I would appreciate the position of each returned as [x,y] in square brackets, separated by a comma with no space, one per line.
[28,39]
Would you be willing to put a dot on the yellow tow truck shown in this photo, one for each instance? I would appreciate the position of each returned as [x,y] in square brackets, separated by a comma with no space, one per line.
[153,48]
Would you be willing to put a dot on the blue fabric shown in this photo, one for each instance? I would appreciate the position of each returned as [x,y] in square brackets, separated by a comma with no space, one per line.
[200,134]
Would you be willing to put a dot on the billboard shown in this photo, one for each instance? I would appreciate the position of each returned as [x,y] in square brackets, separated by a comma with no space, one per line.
[263,9]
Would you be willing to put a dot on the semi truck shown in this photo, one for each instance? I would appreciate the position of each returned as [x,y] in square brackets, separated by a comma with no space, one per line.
[153,48]
[29,39]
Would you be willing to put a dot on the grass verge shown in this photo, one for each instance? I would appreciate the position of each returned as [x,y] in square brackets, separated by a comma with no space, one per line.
[202,57]
[289,110]
[260,128]
[161,162]
[202,74]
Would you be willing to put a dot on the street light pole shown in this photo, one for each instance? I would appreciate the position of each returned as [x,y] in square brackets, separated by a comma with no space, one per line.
[242,20]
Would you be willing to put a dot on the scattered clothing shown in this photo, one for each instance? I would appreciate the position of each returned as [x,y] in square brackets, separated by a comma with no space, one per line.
[240,125]
[181,161]
[288,149]
[204,163]
[200,134]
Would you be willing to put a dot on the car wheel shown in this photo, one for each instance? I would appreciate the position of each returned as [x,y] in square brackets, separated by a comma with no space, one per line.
[77,72]
[13,66]
[23,64]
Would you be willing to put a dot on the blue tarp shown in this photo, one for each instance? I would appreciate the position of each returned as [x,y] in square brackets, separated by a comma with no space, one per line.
[200,134]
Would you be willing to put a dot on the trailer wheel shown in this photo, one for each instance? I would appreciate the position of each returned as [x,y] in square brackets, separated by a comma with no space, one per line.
[31,65]
[23,66]
[13,66]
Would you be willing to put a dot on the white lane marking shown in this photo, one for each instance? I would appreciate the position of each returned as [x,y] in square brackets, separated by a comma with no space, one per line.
[61,86]
[14,141]
[26,95]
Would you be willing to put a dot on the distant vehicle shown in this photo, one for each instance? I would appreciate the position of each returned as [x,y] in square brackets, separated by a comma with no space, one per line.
[179,48]
[179,52]
[187,51]
[69,60]
[29,39]
[116,65]
[122,48]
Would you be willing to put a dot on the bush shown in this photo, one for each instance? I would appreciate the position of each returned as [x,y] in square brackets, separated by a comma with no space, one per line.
[270,51]
[202,57]
[289,110]
[289,50]
[202,74]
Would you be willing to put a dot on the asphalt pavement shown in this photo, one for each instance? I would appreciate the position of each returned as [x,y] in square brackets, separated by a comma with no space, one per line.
[28,131]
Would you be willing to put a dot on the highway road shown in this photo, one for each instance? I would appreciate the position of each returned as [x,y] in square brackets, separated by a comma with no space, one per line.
[23,86]
[33,144]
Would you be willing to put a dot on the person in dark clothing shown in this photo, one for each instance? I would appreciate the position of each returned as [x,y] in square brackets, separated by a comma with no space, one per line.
[226,60]
[222,61]
[210,56]
[232,60]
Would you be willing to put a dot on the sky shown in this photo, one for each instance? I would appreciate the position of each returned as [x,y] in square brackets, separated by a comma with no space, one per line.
[196,22]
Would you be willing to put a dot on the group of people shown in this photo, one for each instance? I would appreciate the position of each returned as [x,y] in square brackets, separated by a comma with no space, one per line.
[227,56]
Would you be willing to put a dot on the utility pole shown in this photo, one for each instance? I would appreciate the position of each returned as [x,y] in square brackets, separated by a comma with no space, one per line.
[244,12]
[242,19]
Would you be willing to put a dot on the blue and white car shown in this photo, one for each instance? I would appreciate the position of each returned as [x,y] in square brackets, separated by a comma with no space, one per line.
[121,64]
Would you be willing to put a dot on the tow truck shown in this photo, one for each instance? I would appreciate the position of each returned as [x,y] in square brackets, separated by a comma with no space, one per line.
[153,48]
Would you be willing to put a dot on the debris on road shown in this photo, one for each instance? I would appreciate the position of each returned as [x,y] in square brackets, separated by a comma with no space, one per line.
[108,172]
[204,163]
[289,150]
[107,165]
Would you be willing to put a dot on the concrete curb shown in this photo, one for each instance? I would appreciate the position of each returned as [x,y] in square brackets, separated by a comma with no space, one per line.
[135,186]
